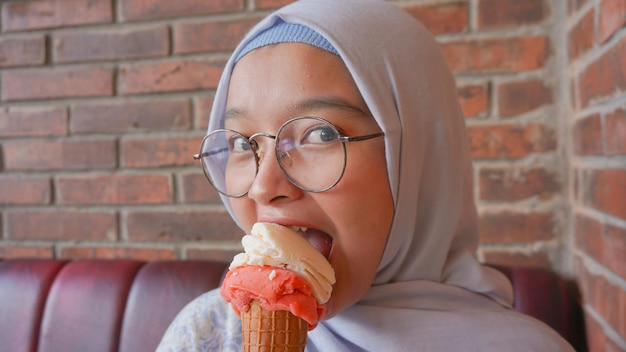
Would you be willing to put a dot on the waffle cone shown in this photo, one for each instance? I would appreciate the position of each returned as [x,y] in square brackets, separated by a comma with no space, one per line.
[270,331]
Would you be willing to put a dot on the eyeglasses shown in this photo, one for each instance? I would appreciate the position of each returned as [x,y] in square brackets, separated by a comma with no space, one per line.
[310,151]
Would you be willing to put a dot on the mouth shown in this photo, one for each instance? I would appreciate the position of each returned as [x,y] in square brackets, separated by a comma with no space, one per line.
[320,240]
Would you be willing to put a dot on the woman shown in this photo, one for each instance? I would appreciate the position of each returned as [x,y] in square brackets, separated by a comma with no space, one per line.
[395,214]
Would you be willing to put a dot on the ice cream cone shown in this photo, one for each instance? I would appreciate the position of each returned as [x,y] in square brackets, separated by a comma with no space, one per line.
[280,268]
[265,331]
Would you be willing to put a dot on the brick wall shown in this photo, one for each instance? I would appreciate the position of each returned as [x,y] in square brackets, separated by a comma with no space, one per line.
[597,191]
[103,102]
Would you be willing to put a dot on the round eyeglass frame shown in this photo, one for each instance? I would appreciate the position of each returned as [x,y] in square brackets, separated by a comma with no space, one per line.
[255,151]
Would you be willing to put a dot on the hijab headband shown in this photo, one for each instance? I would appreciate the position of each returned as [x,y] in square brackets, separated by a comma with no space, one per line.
[283,32]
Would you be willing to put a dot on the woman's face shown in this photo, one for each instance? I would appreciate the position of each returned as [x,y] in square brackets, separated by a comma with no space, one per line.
[273,84]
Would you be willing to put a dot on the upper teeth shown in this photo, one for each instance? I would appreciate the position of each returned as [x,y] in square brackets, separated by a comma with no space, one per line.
[299,228]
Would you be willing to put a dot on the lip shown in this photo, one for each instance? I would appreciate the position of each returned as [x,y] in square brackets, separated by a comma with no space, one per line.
[320,240]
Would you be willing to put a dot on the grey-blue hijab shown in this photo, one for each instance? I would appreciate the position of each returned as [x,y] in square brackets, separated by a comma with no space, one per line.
[428,280]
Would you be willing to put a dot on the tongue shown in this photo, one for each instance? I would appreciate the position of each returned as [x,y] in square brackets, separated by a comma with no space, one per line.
[319,240]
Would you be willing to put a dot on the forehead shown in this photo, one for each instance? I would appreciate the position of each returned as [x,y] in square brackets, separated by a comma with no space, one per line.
[290,79]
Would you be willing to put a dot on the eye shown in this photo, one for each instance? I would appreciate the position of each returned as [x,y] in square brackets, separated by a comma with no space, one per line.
[238,144]
[321,134]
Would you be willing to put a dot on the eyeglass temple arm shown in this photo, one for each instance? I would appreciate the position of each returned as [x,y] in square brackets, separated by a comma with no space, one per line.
[361,138]
[212,152]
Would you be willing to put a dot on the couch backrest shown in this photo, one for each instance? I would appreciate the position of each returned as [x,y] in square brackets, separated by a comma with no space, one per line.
[543,294]
[95,305]
[126,305]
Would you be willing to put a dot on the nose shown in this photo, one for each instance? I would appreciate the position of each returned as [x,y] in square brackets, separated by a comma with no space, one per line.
[270,183]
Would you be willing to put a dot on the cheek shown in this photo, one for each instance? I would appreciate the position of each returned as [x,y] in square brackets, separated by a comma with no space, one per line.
[355,262]
[244,211]
[364,202]
[364,219]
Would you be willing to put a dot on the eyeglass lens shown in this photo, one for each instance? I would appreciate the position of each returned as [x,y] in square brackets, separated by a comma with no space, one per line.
[309,152]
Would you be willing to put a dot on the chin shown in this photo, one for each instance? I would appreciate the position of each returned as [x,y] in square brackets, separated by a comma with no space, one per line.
[335,306]
[330,310]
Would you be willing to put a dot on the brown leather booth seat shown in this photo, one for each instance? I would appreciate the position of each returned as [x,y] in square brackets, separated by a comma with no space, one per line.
[542,294]
[126,305]
[95,305]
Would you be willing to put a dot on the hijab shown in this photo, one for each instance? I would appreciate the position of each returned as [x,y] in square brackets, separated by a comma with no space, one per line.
[428,280]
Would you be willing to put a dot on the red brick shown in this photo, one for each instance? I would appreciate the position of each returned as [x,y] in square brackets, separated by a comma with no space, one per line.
[22,51]
[197,189]
[509,228]
[580,38]
[588,234]
[23,190]
[593,287]
[612,346]
[601,297]
[615,248]
[180,226]
[62,225]
[8,251]
[588,136]
[605,190]
[596,339]
[474,100]
[120,189]
[537,259]
[271,4]
[27,15]
[507,13]
[59,155]
[609,301]
[61,83]
[133,10]
[142,152]
[218,255]
[621,327]
[510,140]
[107,252]
[33,121]
[210,36]
[131,116]
[169,76]
[519,97]
[110,44]
[605,76]
[507,185]
[612,17]
[506,55]
[203,106]
[616,132]
[441,18]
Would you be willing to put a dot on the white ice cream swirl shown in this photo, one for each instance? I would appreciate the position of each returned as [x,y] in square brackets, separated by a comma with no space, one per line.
[279,246]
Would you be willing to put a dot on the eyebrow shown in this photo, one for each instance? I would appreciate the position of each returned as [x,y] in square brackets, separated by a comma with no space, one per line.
[231,113]
[331,102]
[319,103]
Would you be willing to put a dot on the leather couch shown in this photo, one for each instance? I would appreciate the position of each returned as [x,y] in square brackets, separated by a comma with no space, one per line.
[126,305]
